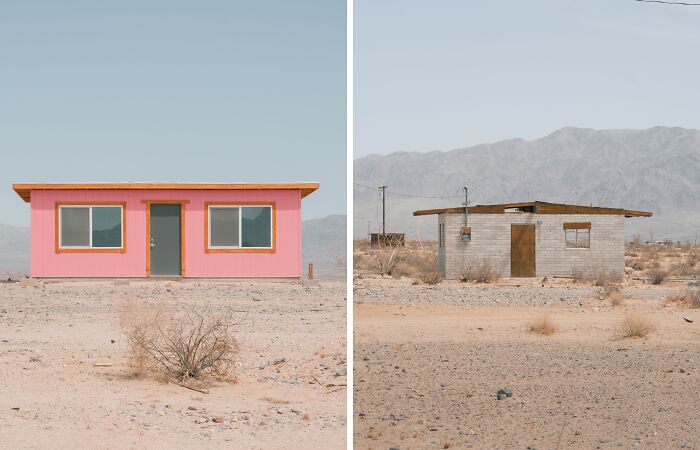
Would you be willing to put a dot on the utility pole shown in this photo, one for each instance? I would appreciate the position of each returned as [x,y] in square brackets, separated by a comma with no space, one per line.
[383,189]
[466,206]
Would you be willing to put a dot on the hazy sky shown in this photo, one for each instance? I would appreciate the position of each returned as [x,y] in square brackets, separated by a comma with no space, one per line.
[173,91]
[453,73]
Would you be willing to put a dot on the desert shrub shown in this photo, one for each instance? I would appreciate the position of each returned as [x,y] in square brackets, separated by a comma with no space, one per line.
[683,269]
[656,276]
[411,260]
[542,325]
[184,342]
[616,298]
[636,325]
[689,297]
[604,279]
[480,272]
[431,278]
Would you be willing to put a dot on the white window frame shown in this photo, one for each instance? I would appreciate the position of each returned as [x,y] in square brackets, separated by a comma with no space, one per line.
[89,247]
[240,227]
[576,241]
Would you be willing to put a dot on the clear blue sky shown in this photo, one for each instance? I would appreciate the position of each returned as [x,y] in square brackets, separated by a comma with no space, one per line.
[454,73]
[173,91]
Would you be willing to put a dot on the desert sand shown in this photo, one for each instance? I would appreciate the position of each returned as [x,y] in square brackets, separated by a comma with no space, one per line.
[429,361]
[66,381]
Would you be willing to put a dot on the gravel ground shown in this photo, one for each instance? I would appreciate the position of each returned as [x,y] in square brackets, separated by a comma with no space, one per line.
[52,395]
[429,361]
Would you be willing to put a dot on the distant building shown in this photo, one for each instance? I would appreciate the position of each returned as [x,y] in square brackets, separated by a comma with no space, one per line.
[532,238]
[165,229]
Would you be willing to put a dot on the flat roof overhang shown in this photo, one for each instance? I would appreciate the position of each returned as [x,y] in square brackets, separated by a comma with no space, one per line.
[24,190]
[536,207]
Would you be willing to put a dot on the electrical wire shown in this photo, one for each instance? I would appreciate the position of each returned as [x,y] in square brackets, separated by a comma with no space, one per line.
[669,3]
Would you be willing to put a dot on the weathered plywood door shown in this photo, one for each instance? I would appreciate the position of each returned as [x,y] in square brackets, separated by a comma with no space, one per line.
[522,250]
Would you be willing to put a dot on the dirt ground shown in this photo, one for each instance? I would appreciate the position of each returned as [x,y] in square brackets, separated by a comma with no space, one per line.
[55,392]
[430,359]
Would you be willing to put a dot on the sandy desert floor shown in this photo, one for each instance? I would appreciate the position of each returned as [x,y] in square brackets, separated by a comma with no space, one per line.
[429,360]
[52,394]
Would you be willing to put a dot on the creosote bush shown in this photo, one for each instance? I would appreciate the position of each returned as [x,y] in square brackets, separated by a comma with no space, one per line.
[183,342]
[431,278]
[480,272]
[636,325]
[616,298]
[657,276]
[542,325]
[689,297]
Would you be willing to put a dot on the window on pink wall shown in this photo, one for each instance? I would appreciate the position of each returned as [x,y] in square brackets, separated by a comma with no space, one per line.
[90,227]
[240,227]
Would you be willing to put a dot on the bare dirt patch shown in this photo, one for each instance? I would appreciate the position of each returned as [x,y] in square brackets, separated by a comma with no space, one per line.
[429,361]
[68,381]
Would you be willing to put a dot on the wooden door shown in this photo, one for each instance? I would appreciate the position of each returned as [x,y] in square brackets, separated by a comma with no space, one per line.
[522,250]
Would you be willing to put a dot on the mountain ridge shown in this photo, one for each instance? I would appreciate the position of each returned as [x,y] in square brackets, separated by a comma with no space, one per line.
[656,169]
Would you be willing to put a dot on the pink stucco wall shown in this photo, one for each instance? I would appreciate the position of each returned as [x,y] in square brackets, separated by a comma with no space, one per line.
[285,262]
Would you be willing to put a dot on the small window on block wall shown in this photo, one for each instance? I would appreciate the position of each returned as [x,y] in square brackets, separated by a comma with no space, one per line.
[240,227]
[578,234]
[90,228]
[441,235]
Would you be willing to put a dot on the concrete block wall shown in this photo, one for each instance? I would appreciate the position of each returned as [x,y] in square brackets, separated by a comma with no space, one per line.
[491,239]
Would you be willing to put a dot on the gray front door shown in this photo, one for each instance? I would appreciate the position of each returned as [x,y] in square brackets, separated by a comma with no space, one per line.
[165,245]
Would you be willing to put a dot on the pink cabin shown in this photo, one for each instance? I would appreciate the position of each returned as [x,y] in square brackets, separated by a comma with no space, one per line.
[165,229]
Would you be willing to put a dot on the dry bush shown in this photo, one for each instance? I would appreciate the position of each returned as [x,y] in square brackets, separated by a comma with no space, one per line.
[616,299]
[656,276]
[604,279]
[609,290]
[431,278]
[411,260]
[636,325]
[480,272]
[182,342]
[689,297]
[542,325]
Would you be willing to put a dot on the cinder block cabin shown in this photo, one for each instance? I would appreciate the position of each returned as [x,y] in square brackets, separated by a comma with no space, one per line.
[165,229]
[532,238]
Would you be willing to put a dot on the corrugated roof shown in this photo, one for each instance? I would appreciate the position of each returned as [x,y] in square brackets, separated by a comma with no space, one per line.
[24,190]
[536,207]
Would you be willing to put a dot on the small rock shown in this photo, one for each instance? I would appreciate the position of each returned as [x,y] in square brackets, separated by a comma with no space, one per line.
[34,359]
[192,408]
[15,408]
[500,396]
[218,420]
[343,371]
[508,392]
[112,341]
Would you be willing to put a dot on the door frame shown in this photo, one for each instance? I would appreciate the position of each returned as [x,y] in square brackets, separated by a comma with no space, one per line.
[182,204]
[526,226]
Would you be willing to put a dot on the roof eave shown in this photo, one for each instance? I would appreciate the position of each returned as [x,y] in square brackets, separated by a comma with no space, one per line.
[24,190]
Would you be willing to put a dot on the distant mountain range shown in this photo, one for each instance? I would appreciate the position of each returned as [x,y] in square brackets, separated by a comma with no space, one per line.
[655,170]
[323,243]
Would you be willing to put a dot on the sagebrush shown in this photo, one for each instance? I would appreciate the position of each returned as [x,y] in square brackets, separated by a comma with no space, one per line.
[636,325]
[482,271]
[183,341]
[543,325]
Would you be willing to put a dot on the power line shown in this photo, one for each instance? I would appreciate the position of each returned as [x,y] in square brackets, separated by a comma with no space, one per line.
[669,3]
[401,194]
